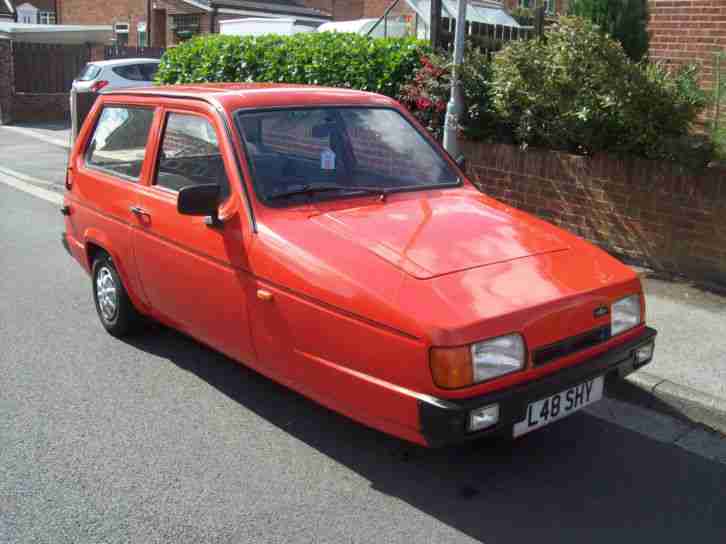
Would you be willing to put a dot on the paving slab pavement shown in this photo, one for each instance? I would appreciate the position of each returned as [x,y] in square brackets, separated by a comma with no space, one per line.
[34,155]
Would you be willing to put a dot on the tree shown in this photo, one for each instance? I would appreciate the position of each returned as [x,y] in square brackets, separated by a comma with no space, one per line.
[624,20]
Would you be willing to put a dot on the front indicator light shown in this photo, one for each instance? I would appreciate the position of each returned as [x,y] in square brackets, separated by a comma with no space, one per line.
[484,417]
[625,314]
[451,367]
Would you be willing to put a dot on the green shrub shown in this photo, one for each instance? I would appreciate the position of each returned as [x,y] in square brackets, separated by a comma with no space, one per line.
[428,93]
[578,91]
[624,20]
[326,58]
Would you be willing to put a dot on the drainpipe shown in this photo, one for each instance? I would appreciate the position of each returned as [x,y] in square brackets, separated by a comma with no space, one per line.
[455,106]
[149,24]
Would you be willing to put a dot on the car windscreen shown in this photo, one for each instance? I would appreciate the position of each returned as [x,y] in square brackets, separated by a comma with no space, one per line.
[292,150]
[89,72]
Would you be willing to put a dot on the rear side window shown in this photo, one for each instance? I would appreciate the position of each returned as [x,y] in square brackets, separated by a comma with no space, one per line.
[131,72]
[119,140]
[149,70]
[89,72]
[190,154]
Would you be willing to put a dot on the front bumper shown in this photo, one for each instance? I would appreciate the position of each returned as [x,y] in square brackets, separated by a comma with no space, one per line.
[445,421]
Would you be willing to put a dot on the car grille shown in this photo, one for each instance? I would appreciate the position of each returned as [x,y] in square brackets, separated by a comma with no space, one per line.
[571,345]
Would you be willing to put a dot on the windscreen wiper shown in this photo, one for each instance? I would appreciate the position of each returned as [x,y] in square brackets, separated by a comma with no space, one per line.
[311,189]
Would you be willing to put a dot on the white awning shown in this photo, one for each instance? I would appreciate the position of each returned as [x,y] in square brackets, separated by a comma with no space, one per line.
[477,11]
[364,26]
[60,34]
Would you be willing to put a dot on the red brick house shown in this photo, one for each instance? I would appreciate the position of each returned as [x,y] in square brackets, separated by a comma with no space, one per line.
[160,23]
[32,12]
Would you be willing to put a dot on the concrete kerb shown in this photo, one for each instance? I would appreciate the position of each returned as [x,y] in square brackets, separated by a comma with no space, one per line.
[695,405]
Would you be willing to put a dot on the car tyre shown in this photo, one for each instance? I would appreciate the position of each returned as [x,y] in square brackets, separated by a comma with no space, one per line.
[115,310]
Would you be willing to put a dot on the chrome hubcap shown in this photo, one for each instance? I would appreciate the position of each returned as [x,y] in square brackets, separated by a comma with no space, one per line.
[106,293]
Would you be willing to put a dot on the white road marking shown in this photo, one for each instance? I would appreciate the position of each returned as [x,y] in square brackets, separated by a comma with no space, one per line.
[23,177]
[45,194]
[61,142]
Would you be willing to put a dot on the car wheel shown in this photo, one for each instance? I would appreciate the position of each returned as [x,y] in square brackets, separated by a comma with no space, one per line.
[118,316]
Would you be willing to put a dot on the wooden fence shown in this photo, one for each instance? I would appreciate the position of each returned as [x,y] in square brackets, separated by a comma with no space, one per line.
[47,68]
[130,52]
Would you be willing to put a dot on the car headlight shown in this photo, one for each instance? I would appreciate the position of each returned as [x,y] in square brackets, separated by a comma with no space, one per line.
[453,368]
[625,314]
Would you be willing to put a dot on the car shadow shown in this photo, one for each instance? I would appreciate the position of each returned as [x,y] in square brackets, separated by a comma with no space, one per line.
[581,480]
[55,126]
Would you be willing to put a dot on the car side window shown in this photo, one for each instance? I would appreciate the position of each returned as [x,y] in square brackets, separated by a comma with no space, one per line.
[190,155]
[119,140]
[149,70]
[131,72]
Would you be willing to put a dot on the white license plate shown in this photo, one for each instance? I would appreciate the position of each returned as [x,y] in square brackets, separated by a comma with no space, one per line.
[562,404]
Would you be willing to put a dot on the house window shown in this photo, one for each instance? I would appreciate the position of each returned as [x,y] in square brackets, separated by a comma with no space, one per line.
[121,33]
[550,5]
[141,35]
[46,17]
[185,26]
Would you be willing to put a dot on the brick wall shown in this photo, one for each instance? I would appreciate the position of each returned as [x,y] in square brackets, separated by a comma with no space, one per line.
[93,12]
[326,6]
[685,31]
[643,210]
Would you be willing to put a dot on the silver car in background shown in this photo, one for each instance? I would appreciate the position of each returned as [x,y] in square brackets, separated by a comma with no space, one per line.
[103,76]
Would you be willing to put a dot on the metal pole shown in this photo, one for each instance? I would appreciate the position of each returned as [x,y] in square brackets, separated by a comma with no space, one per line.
[455,106]
[435,23]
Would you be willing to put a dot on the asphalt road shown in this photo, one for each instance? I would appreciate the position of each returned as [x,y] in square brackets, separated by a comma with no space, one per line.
[159,439]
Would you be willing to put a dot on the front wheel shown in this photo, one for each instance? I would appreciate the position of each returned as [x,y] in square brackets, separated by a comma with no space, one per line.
[118,316]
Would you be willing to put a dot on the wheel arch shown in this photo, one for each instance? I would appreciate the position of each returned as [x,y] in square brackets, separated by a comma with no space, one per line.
[96,243]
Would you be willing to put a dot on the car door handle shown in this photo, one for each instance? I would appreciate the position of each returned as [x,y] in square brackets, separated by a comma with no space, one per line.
[139,212]
[264,294]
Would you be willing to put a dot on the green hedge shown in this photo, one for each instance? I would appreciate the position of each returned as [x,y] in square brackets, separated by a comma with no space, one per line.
[330,59]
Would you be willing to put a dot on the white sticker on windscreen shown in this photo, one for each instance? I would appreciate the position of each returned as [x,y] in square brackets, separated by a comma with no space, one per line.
[327,159]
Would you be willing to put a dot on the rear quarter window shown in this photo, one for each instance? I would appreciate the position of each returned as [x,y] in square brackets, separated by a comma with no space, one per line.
[118,144]
[131,72]
[89,73]
[149,70]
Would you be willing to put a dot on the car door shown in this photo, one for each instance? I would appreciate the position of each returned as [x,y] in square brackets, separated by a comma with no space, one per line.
[108,177]
[195,274]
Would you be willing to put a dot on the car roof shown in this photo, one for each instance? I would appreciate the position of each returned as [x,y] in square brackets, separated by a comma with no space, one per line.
[122,62]
[259,95]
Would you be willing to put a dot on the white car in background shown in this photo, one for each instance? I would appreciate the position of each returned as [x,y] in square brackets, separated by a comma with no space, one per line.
[107,75]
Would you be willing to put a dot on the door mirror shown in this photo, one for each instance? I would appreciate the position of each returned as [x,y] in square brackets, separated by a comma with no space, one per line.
[199,200]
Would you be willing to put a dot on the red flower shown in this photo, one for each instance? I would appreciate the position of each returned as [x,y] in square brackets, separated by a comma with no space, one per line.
[440,105]
[423,103]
